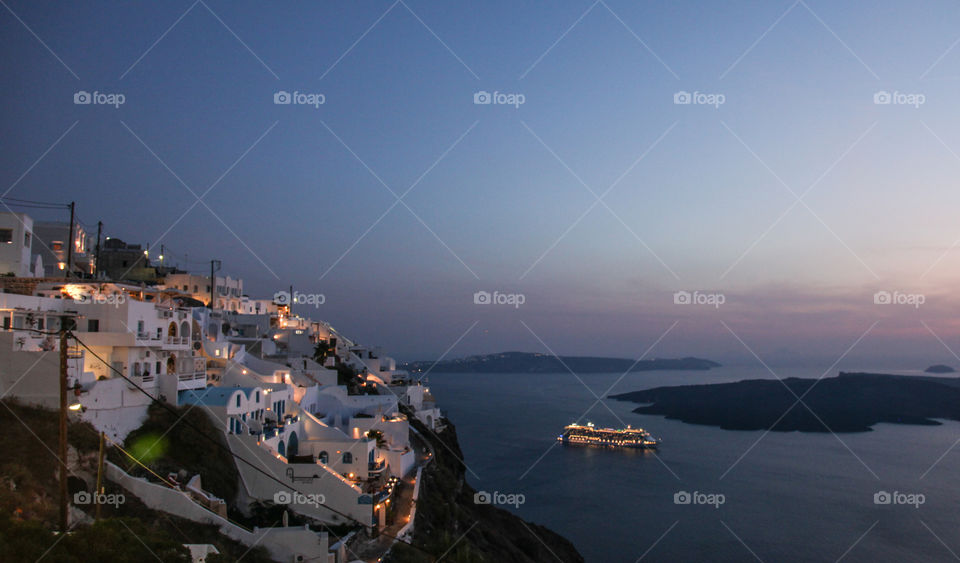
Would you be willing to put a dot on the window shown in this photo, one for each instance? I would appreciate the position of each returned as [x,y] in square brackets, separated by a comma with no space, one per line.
[56,245]
[347,457]
[93,325]
[258,397]
[6,235]
[40,323]
[136,368]
[324,457]
[157,365]
[139,327]
[238,401]
[159,333]
[26,239]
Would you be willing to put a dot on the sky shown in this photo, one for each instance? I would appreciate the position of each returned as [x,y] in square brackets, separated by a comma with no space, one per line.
[783,198]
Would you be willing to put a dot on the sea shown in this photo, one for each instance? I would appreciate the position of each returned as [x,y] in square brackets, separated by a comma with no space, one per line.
[892,494]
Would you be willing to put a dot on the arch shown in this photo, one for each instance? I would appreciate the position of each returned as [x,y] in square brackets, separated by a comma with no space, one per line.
[324,457]
[184,329]
[282,449]
[293,444]
[172,364]
[172,330]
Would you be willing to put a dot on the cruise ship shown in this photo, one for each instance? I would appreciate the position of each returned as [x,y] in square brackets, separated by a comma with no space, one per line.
[592,436]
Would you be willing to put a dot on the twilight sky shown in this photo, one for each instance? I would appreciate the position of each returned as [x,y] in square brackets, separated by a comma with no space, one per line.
[495,197]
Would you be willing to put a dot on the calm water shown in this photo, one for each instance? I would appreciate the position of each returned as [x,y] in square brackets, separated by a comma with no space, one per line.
[793,497]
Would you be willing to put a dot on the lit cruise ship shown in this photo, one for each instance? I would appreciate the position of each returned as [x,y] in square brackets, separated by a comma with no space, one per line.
[592,436]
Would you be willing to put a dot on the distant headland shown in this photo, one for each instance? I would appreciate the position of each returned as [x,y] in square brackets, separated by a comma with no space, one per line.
[940,368]
[526,362]
[850,402]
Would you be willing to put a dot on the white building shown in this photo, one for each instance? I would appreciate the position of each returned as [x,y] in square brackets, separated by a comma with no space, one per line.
[150,342]
[53,245]
[16,243]
[228,294]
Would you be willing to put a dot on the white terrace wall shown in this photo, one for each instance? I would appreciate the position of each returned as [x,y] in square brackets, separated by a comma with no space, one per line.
[337,492]
[284,544]
[115,407]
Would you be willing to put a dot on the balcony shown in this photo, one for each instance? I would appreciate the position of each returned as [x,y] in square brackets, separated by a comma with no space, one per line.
[197,380]
[178,340]
[191,373]
[376,467]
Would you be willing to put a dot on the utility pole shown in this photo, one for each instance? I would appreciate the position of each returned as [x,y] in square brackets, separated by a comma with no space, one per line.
[100,474]
[214,266]
[96,258]
[63,423]
[70,241]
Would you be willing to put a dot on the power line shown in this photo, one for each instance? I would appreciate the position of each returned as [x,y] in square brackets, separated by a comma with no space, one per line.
[38,204]
[221,447]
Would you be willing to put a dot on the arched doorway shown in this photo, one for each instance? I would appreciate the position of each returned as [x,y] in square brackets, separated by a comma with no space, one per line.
[184,330]
[282,449]
[293,445]
[172,364]
[172,330]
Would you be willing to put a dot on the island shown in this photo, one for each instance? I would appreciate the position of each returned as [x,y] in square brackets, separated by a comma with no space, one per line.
[526,362]
[940,368]
[849,402]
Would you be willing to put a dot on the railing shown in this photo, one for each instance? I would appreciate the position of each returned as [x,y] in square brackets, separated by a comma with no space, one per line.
[178,340]
[192,376]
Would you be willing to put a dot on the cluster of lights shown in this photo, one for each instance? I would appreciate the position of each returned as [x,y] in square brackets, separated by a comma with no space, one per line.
[606,436]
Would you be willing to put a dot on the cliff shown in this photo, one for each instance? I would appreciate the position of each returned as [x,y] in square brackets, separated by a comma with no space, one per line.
[448,521]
